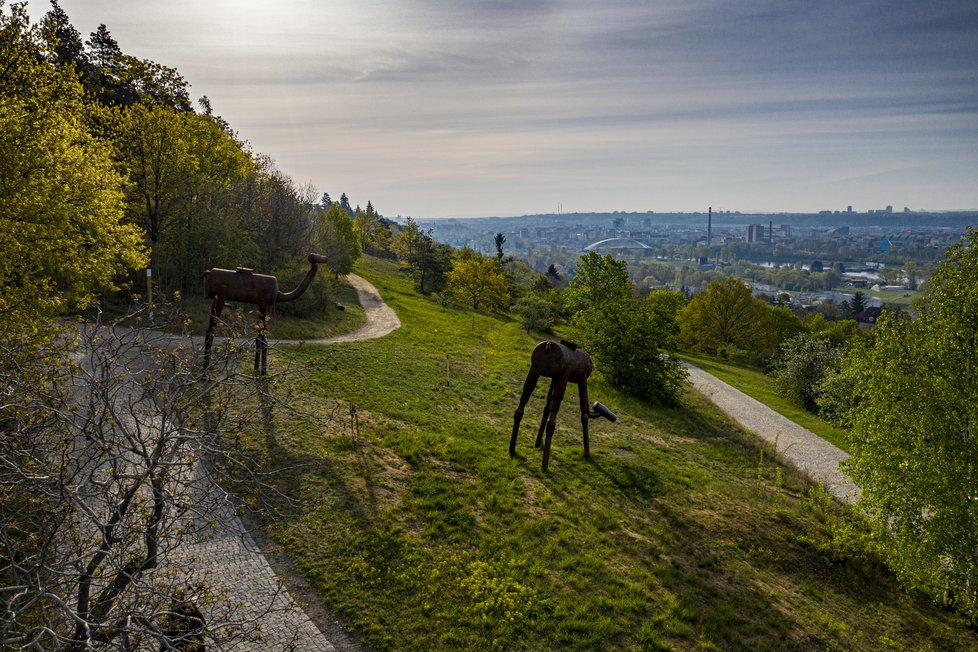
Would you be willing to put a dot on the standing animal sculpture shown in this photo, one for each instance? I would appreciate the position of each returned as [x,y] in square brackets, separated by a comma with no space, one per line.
[562,363]
[243,285]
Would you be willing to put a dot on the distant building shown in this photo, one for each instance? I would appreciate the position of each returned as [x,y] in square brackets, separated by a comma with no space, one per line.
[889,210]
[868,317]
[755,233]
[849,209]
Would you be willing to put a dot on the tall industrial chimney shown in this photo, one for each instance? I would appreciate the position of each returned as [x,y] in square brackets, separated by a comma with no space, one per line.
[770,232]
[709,230]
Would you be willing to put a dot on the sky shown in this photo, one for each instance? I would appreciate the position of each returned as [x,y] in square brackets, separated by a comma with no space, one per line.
[461,108]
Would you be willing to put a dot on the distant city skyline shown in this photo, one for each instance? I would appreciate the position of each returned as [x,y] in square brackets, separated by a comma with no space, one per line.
[436,108]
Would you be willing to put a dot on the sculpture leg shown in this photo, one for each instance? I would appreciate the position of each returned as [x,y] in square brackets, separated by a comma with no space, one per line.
[582,392]
[261,344]
[559,386]
[528,386]
[546,414]
[217,306]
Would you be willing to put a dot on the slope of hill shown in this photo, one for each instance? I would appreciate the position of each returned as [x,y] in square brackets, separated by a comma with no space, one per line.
[408,516]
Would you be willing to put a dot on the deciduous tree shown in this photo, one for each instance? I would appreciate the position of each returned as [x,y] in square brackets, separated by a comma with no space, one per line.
[479,283]
[725,319]
[62,236]
[632,342]
[914,439]
[801,368]
[334,237]
[427,261]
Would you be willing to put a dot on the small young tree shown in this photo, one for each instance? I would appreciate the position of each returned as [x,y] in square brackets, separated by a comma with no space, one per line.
[478,282]
[801,368]
[535,313]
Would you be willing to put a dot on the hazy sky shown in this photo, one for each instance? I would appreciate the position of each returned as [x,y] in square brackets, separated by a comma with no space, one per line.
[504,107]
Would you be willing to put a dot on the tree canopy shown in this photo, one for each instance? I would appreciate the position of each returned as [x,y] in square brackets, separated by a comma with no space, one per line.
[725,319]
[479,283]
[913,420]
[62,235]
[633,342]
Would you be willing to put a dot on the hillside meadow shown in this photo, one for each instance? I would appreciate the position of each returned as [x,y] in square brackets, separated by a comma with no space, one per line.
[395,496]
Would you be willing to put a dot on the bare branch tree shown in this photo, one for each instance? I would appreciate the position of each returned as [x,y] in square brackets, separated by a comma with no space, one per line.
[114,464]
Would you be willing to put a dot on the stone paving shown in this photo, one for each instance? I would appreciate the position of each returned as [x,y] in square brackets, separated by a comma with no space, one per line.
[245,590]
[800,447]
[234,566]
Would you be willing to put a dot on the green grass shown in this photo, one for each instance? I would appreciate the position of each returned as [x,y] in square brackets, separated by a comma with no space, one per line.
[421,532]
[902,298]
[760,386]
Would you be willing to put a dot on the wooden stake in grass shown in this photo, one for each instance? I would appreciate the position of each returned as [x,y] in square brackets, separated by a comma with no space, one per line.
[354,424]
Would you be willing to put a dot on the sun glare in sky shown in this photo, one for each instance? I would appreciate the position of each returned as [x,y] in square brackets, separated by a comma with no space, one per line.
[437,108]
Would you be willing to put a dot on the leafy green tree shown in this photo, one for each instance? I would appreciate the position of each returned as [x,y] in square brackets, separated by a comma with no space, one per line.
[912,271]
[598,279]
[726,320]
[632,342]
[211,228]
[840,332]
[334,237]
[478,282]
[913,434]
[535,313]
[426,260]
[801,368]
[499,240]
[152,146]
[62,236]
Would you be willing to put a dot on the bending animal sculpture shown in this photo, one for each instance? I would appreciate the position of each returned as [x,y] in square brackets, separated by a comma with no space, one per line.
[243,285]
[563,363]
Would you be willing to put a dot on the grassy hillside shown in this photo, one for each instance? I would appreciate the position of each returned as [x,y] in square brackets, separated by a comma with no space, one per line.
[680,532]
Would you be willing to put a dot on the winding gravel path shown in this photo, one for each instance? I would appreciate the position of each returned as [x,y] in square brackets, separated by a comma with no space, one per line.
[802,448]
[381,318]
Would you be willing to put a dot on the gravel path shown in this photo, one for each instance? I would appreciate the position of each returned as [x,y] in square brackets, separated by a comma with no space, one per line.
[802,448]
[381,318]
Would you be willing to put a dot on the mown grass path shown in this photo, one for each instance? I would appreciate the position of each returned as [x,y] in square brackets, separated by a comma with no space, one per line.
[802,448]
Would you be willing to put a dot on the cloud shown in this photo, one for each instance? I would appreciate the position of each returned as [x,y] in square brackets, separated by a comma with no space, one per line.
[438,101]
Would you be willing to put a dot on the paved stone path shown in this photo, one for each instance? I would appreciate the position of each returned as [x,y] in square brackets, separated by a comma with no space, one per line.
[234,565]
[245,590]
[802,448]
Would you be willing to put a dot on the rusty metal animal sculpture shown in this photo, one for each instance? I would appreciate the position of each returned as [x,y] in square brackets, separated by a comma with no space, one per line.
[242,284]
[562,363]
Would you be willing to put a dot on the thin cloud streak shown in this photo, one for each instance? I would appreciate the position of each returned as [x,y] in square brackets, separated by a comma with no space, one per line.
[456,107]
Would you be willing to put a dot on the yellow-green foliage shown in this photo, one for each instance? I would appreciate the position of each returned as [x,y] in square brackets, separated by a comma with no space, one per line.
[61,201]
